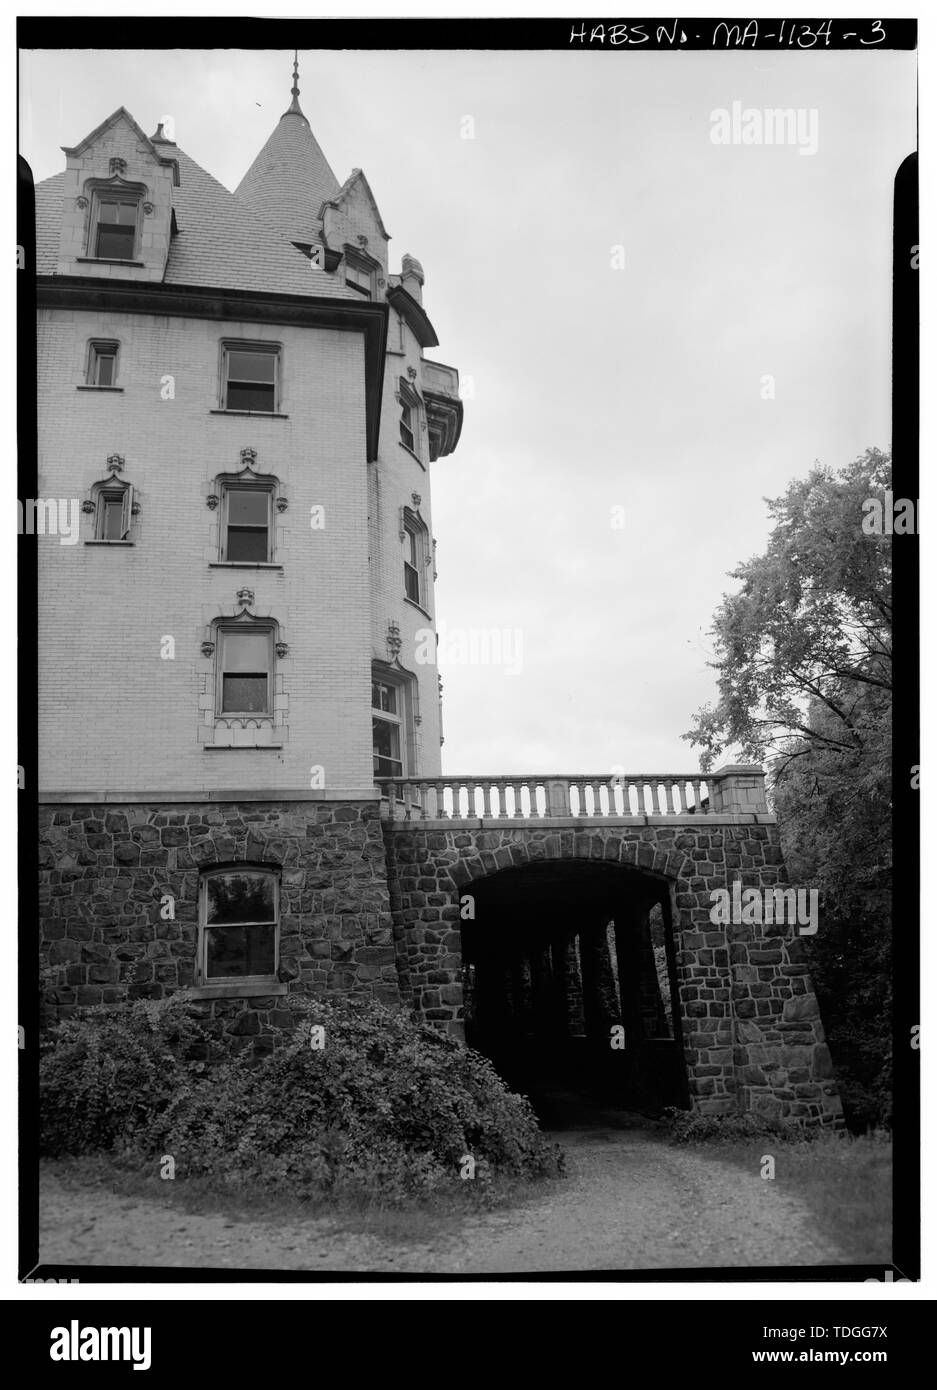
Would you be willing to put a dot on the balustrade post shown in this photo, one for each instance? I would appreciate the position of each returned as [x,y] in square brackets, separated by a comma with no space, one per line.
[557,792]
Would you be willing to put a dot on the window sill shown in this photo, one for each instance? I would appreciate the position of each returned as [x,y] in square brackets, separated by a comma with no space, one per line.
[412,454]
[419,607]
[110,542]
[243,565]
[239,990]
[253,414]
[88,387]
[106,260]
[241,747]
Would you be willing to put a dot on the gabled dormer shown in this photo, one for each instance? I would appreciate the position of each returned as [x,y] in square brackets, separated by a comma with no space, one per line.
[117,217]
[355,237]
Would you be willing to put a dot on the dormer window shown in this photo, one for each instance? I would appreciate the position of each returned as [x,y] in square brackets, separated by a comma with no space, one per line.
[114,227]
[359,275]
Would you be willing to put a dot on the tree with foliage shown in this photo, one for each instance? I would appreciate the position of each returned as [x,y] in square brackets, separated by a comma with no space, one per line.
[804,660]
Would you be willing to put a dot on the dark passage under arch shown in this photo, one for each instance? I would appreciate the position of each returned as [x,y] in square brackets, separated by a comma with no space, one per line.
[569,978]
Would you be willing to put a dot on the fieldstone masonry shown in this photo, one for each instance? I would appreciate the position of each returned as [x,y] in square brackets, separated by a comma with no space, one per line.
[106,869]
[372,907]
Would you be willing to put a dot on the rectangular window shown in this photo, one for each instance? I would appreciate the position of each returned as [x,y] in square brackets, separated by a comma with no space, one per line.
[406,427]
[116,229]
[246,671]
[250,378]
[412,566]
[113,514]
[359,276]
[240,910]
[385,730]
[246,524]
[102,364]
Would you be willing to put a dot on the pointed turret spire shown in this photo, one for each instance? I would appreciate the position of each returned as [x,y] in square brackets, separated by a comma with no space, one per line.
[290,179]
[294,108]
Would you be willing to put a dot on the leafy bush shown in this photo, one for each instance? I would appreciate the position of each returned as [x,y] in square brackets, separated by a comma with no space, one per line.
[387,1107]
[106,1076]
[687,1127]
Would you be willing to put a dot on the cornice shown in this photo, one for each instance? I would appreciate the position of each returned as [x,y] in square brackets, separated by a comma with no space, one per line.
[414,315]
[223,306]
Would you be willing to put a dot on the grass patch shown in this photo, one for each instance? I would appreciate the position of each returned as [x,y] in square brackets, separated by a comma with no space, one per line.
[402,1221]
[844,1180]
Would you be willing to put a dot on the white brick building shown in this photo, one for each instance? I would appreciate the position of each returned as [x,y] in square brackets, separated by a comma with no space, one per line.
[233,397]
[308,489]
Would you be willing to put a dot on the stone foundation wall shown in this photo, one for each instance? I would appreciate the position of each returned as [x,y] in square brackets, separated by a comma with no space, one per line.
[751,1030]
[105,869]
[377,914]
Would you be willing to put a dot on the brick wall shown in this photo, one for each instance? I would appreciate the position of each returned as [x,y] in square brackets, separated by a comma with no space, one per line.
[114,715]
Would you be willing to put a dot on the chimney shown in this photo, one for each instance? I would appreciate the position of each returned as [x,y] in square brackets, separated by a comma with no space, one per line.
[411,277]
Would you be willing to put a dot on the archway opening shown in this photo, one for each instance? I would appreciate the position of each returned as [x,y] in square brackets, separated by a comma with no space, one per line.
[569,975]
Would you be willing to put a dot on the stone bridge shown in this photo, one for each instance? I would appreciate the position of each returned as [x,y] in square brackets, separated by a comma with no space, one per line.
[565,927]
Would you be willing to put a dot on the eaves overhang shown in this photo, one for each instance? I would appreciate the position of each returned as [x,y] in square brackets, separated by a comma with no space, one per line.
[224,306]
[414,315]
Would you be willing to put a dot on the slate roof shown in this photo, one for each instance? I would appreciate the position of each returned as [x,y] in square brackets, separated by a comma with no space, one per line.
[223,242]
[290,179]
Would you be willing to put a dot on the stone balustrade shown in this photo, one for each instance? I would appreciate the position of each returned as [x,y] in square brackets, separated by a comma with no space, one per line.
[728,794]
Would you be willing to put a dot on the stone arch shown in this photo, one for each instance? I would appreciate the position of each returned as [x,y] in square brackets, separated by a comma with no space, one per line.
[560,985]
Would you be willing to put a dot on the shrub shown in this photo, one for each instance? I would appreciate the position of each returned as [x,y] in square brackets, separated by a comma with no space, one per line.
[104,1077]
[387,1104]
[687,1127]
[386,1107]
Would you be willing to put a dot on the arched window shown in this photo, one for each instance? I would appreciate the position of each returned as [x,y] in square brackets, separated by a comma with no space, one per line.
[239,923]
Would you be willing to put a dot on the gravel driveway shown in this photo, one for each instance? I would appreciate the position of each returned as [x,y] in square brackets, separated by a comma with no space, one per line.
[630,1202]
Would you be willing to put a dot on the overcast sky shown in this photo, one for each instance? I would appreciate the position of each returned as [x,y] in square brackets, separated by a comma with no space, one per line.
[594,387]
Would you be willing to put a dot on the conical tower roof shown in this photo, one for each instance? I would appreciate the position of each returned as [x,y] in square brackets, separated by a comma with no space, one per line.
[290,179]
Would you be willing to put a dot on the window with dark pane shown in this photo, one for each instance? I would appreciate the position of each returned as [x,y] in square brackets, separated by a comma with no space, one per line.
[245,672]
[385,730]
[386,739]
[406,426]
[240,924]
[250,379]
[411,566]
[102,364]
[111,519]
[116,229]
[247,524]
[384,696]
[358,280]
